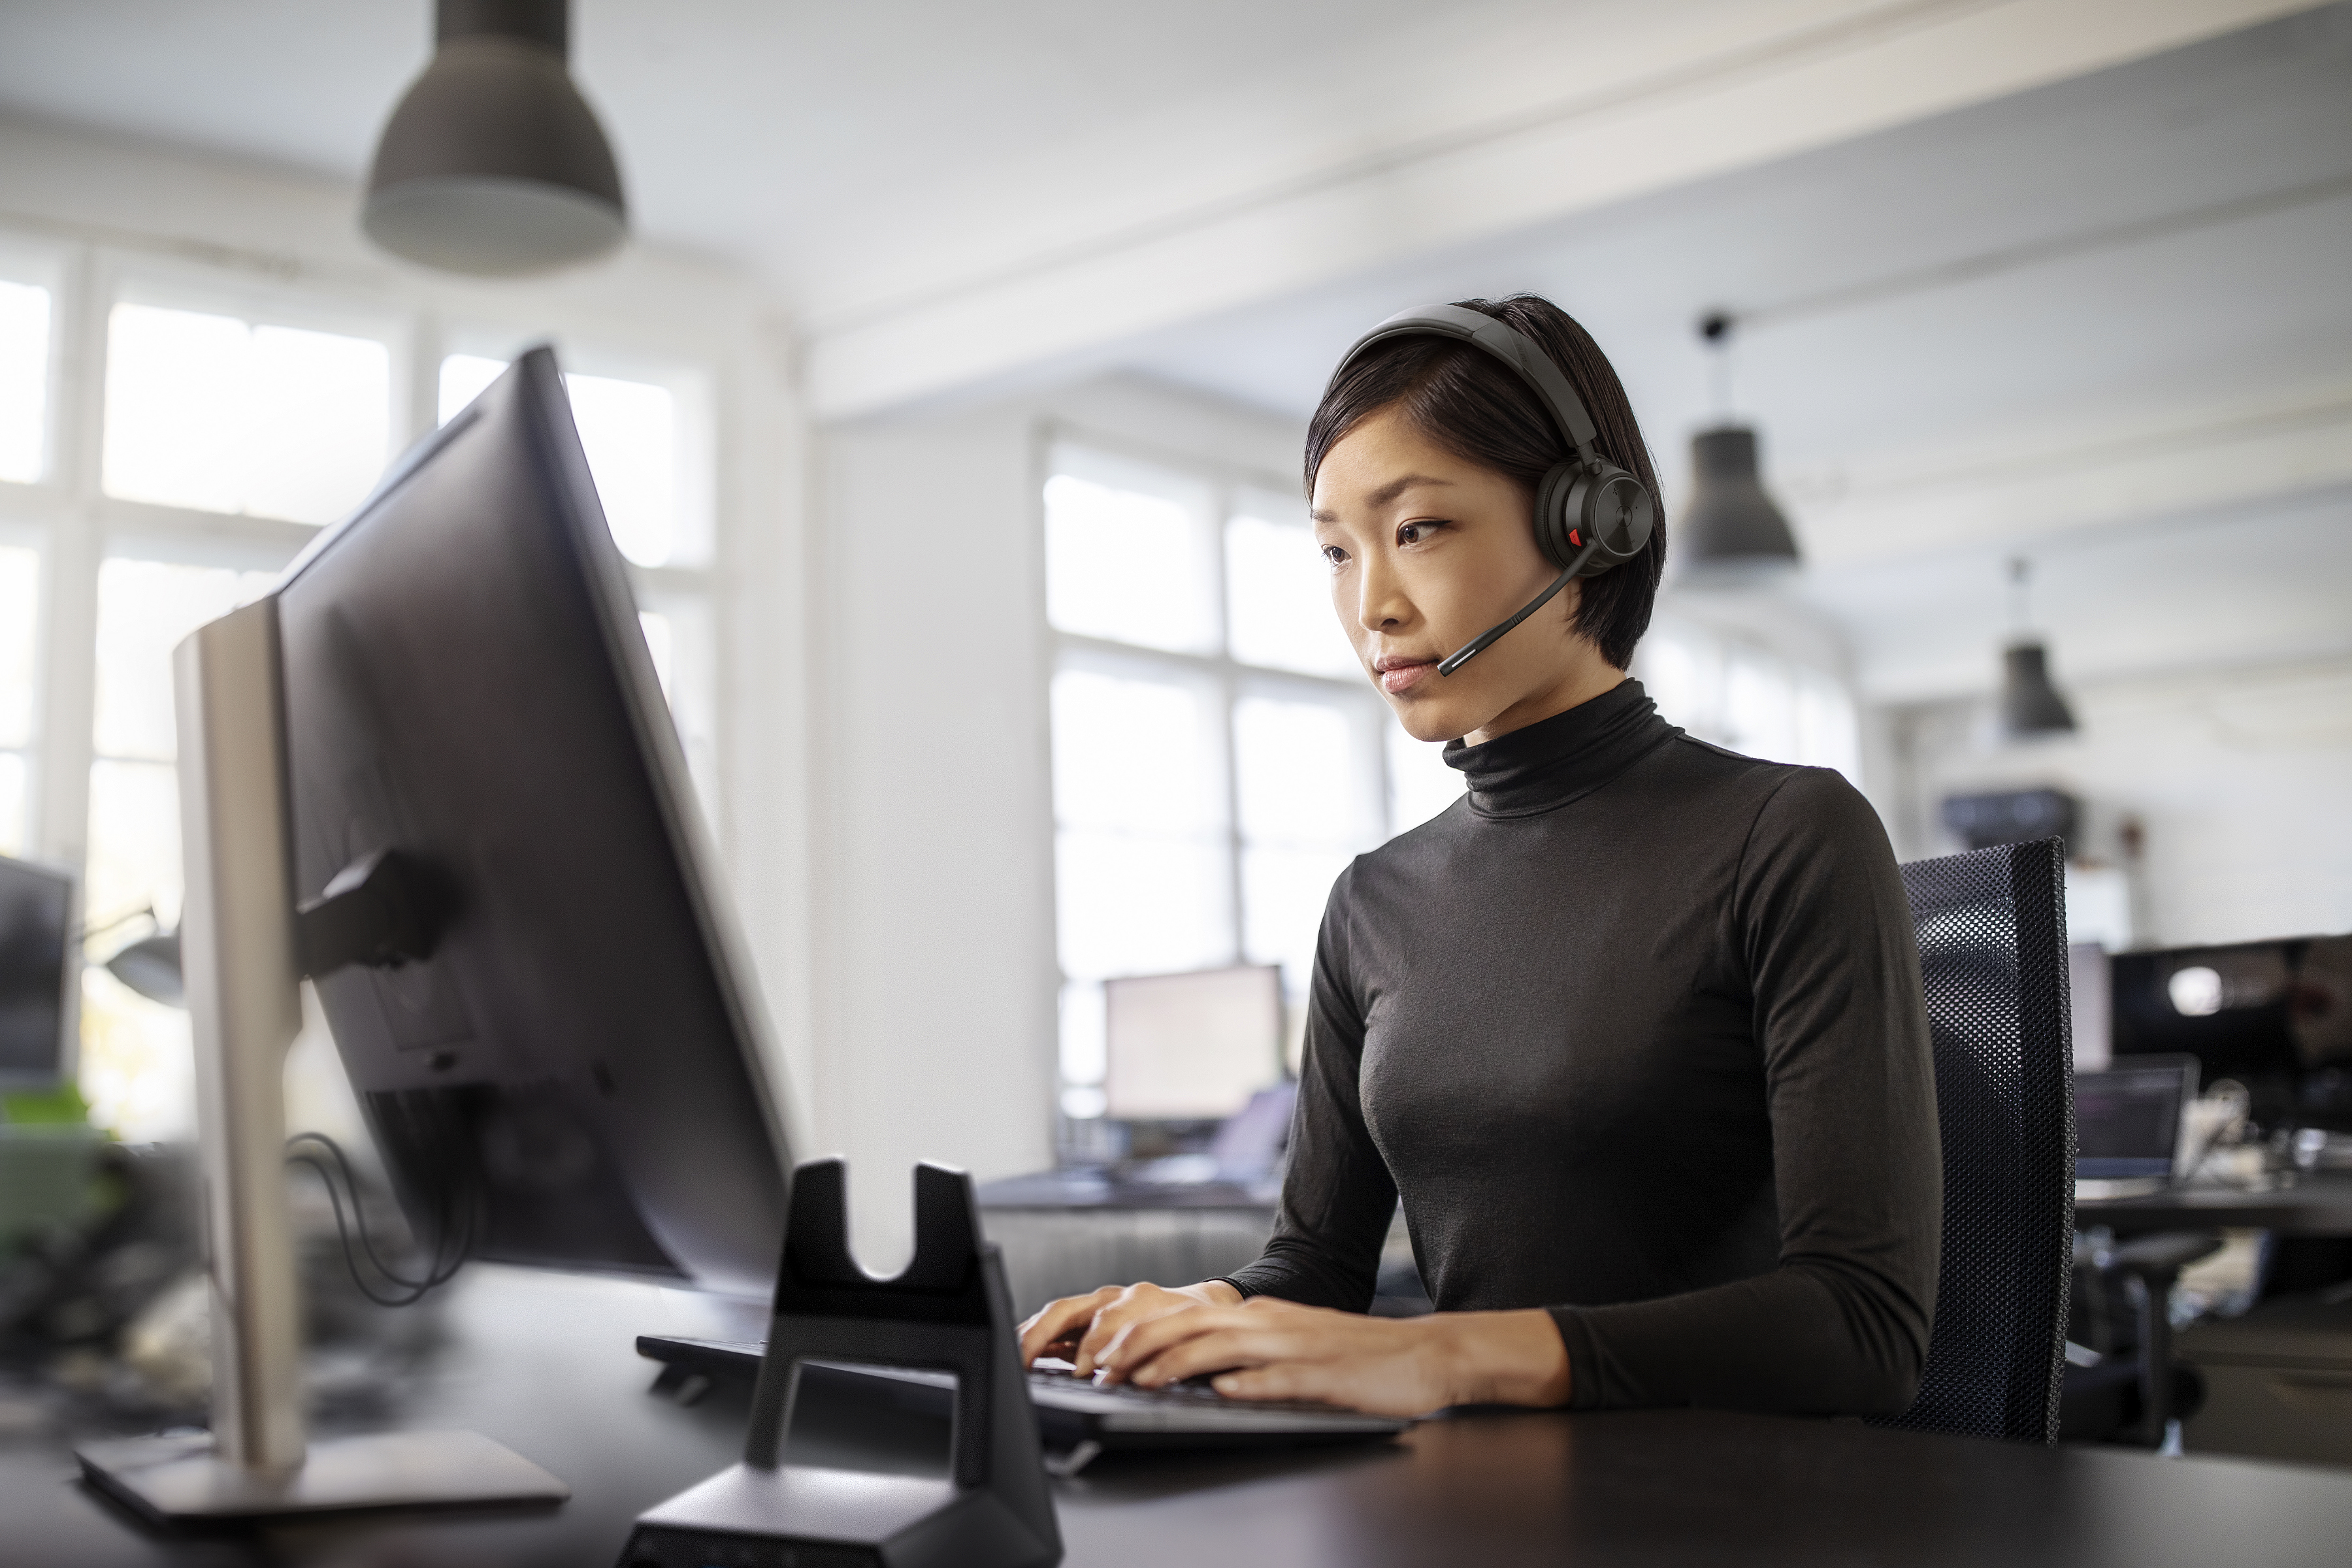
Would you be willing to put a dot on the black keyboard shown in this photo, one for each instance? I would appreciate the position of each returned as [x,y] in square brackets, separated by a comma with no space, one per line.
[1111,1412]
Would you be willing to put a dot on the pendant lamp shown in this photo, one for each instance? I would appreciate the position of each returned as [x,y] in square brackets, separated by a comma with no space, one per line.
[2030,704]
[493,164]
[1731,531]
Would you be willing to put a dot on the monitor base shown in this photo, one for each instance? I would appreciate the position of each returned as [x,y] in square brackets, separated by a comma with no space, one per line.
[179,1478]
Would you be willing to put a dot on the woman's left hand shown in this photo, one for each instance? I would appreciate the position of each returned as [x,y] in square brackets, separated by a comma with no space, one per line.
[1270,1349]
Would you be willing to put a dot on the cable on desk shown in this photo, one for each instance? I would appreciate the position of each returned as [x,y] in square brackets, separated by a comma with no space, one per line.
[440,1271]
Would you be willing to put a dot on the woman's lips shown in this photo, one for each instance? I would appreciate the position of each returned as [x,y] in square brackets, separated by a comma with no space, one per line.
[1398,676]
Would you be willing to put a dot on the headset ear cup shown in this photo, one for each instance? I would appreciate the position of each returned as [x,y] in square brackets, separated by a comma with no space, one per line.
[1559,506]
[1617,508]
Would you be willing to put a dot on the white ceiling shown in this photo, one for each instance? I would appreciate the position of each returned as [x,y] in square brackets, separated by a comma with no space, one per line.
[780,134]
[2137,259]
[2151,257]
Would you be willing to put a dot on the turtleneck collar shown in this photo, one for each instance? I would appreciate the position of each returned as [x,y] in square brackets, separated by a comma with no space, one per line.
[1564,758]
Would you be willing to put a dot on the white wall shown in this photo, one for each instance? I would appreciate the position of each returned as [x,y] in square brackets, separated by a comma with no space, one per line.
[2238,777]
[928,644]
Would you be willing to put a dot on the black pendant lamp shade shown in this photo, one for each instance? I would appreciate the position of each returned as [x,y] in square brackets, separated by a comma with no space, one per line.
[493,164]
[1731,527]
[2029,705]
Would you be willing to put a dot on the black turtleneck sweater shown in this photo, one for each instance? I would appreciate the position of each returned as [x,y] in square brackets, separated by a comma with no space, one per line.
[1634,1029]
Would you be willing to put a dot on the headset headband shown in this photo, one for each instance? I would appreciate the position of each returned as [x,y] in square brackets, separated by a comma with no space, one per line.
[1505,342]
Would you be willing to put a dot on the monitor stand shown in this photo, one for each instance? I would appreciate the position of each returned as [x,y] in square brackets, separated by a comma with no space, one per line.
[244,992]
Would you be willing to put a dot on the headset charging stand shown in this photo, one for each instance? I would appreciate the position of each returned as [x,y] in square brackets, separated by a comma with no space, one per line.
[948,1312]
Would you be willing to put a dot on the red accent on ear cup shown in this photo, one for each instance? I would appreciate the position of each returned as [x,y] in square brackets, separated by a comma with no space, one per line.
[1573,538]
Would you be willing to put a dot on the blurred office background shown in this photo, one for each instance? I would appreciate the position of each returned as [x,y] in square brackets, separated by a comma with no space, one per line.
[948,403]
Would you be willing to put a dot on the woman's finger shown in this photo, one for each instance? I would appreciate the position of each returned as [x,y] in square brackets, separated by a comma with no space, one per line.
[1057,1322]
[1052,1321]
[1219,1349]
[1137,1303]
[1138,1342]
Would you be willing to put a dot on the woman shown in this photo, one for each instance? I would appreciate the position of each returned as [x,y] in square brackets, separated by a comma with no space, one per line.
[1634,1029]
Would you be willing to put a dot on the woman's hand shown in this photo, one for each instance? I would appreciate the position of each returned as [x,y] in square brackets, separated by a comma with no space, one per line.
[1268,1349]
[1082,1327]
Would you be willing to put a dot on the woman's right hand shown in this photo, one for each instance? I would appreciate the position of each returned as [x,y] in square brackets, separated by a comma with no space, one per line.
[1084,1328]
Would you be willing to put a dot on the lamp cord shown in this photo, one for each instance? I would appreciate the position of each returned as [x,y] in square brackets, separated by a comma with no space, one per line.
[440,1272]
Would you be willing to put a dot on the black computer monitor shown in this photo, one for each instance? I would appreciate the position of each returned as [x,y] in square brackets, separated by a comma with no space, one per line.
[2273,1015]
[579,1059]
[433,770]
[37,975]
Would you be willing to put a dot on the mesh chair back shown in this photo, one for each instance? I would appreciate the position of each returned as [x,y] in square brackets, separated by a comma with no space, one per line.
[1992,950]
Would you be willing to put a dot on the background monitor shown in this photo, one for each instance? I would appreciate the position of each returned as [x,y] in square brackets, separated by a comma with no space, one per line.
[577,1063]
[2274,1016]
[2127,1119]
[1191,1047]
[36,974]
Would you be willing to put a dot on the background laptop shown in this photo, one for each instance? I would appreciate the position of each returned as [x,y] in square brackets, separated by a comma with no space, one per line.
[2127,1121]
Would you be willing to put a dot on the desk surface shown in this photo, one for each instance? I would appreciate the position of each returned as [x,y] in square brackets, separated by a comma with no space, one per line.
[2315,1206]
[543,1364]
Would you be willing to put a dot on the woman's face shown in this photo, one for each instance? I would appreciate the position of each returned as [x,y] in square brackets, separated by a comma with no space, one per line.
[1427,550]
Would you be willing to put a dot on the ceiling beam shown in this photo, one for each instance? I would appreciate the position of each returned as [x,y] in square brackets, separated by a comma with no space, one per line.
[1700,102]
[2041,496]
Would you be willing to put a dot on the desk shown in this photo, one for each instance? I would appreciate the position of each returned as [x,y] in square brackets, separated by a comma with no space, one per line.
[544,1363]
[2315,1205]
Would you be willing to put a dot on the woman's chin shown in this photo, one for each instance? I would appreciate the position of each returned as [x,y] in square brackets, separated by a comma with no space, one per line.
[1425,719]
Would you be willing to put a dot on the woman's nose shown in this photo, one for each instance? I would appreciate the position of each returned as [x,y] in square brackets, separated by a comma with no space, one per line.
[1380,602]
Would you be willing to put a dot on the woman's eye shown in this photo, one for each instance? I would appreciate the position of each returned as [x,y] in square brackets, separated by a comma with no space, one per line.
[1335,556]
[1411,532]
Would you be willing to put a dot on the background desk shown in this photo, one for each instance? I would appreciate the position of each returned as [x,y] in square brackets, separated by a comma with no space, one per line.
[2315,1206]
[1064,1234]
[544,1364]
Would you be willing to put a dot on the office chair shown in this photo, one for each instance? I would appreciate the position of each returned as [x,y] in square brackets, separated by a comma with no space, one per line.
[1991,927]
[2136,1389]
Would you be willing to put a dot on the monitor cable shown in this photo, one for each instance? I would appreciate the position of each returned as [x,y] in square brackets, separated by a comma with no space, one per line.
[407,1291]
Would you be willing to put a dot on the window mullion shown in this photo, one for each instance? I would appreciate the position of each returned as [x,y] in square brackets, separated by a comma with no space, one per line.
[59,816]
[1228,690]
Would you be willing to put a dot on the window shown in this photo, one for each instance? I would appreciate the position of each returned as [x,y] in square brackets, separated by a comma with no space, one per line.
[640,438]
[227,417]
[135,1061]
[20,584]
[216,414]
[1218,759]
[24,381]
[1750,700]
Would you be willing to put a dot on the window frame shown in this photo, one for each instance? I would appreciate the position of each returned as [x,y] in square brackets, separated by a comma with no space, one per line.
[75,527]
[45,264]
[1228,677]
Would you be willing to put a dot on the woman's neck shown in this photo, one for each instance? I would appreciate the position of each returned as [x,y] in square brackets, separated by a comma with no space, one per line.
[1588,676]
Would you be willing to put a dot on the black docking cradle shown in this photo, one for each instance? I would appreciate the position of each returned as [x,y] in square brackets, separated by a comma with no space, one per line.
[948,1312]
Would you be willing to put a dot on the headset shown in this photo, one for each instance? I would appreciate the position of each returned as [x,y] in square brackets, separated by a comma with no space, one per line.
[1590,514]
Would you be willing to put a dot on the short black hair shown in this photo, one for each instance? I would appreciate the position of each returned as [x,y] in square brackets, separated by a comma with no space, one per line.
[1468,403]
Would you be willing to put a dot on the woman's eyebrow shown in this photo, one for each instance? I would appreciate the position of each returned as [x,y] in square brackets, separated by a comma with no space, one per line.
[1387,493]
